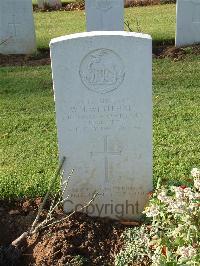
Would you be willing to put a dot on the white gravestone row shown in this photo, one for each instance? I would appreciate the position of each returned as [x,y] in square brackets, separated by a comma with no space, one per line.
[103,94]
[187,22]
[17,32]
[104,15]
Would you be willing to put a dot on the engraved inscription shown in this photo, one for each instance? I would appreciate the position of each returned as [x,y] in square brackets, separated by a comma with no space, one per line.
[103,4]
[102,115]
[105,153]
[102,71]
[196,14]
[12,27]
[126,191]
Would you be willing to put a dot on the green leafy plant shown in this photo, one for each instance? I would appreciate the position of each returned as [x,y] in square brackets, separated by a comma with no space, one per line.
[173,236]
[175,217]
[136,249]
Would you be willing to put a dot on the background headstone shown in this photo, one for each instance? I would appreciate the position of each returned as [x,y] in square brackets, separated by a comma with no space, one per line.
[103,15]
[49,3]
[103,94]
[17,32]
[187,22]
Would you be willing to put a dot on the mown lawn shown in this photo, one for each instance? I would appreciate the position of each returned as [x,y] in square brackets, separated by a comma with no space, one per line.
[159,21]
[176,128]
[28,131]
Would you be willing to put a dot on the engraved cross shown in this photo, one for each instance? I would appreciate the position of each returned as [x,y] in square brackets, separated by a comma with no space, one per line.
[196,14]
[13,26]
[103,5]
[106,153]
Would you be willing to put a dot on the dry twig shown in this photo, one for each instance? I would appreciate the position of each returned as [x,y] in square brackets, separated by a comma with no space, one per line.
[19,244]
[72,213]
[5,41]
[127,23]
[47,195]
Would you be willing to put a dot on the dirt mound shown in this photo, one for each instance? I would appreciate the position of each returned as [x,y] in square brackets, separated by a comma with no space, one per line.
[43,56]
[175,53]
[65,7]
[132,3]
[95,240]
[40,59]
[79,5]
[79,240]
[16,217]
[169,52]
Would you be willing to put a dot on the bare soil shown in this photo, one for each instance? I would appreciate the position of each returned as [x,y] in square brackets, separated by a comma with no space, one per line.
[172,52]
[95,240]
[39,59]
[81,6]
[43,57]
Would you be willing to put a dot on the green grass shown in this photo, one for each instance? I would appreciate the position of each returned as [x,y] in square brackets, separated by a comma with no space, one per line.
[55,24]
[176,117]
[159,21]
[28,131]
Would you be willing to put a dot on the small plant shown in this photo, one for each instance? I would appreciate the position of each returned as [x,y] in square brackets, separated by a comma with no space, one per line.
[128,25]
[173,236]
[78,261]
[136,249]
[175,217]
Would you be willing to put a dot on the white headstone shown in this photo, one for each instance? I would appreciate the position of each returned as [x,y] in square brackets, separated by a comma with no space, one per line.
[17,32]
[103,94]
[187,22]
[103,15]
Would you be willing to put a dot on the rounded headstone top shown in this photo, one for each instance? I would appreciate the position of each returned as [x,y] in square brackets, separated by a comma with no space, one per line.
[100,33]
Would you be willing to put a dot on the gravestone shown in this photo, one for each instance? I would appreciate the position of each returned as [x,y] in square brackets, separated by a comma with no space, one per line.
[49,3]
[103,15]
[17,32]
[187,22]
[103,90]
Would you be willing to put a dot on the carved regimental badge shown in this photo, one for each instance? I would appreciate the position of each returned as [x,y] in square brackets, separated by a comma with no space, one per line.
[102,71]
